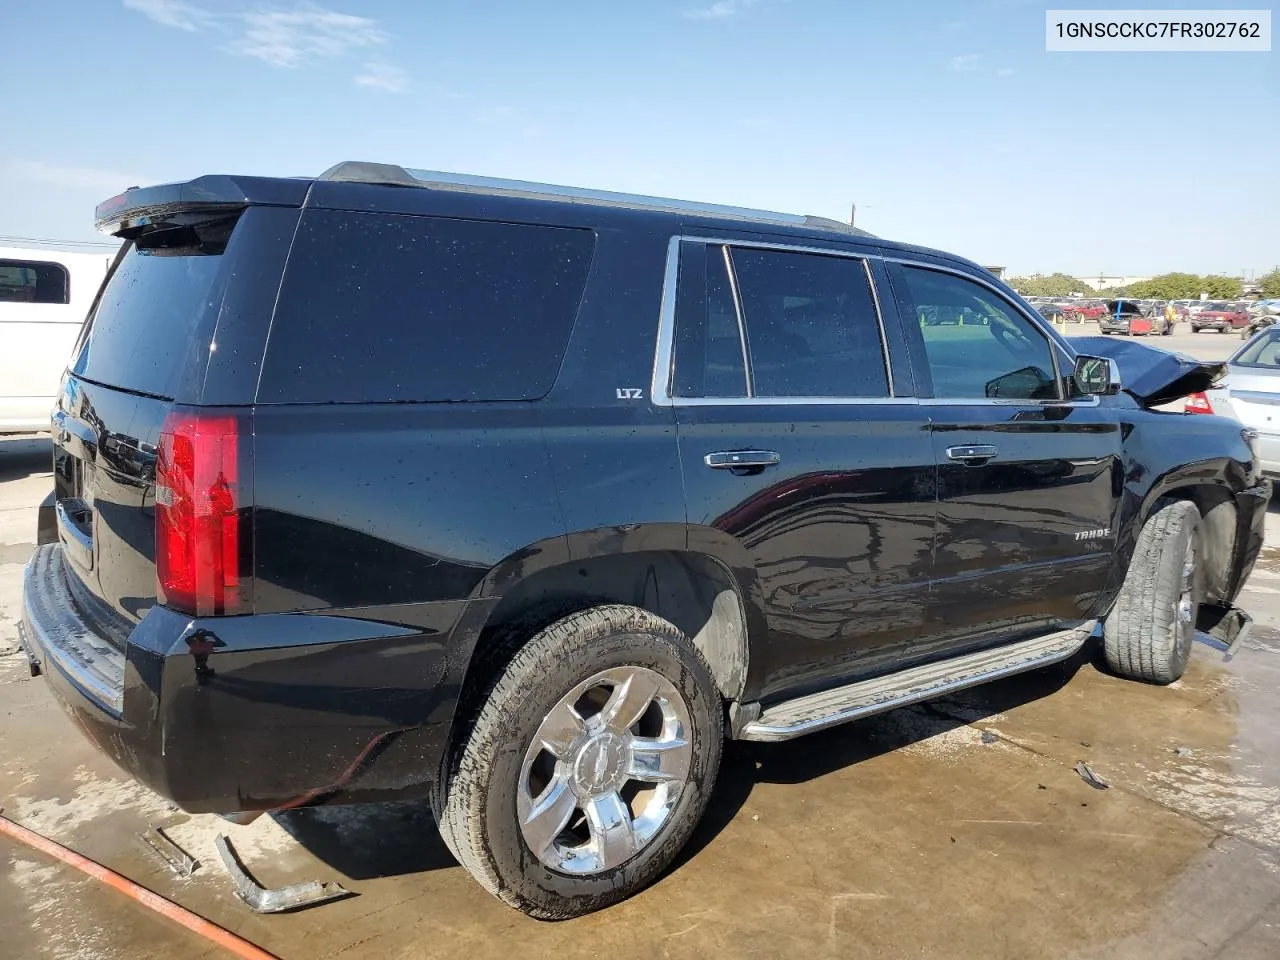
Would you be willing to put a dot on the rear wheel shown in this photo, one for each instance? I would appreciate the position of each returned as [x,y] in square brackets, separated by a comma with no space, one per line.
[1194,328]
[589,765]
[1149,632]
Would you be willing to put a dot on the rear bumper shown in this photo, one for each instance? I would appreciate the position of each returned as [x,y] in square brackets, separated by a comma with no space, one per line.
[253,712]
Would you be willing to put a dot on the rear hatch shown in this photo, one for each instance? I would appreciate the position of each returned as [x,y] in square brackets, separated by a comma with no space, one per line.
[143,361]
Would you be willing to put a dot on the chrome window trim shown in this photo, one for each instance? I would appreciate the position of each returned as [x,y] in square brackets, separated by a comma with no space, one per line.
[884,339]
[660,386]
[664,354]
[749,377]
[792,401]
[1091,401]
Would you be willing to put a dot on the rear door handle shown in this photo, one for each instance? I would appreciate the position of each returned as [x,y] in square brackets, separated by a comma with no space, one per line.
[972,454]
[745,461]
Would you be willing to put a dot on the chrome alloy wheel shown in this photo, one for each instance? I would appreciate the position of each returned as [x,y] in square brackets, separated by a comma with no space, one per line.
[604,771]
[1185,623]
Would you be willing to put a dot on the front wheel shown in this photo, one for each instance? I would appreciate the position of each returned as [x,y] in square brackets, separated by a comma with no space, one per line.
[1149,632]
[1194,328]
[589,765]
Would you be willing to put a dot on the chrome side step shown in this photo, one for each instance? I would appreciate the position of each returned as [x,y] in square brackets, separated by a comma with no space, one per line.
[818,711]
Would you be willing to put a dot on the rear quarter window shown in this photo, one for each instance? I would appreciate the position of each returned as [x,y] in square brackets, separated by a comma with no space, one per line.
[384,308]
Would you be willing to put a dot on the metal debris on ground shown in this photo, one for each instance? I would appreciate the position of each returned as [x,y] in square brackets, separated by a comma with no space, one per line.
[1184,751]
[175,858]
[282,899]
[989,737]
[1091,778]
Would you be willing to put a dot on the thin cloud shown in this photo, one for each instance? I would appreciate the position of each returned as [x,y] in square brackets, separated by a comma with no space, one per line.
[382,76]
[966,62]
[1006,72]
[721,10]
[76,178]
[172,13]
[289,38]
[286,37]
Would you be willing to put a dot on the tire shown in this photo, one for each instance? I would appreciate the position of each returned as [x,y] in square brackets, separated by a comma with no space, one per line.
[1150,630]
[495,771]
[1194,328]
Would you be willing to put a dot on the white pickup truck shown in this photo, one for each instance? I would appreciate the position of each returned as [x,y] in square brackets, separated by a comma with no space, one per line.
[44,295]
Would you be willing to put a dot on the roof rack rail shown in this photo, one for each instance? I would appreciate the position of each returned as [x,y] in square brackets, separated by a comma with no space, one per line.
[354,171]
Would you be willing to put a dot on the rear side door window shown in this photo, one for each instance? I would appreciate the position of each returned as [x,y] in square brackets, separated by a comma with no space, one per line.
[775,324]
[976,344]
[394,308]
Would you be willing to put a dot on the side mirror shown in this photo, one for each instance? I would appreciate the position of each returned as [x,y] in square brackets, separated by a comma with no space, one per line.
[1097,376]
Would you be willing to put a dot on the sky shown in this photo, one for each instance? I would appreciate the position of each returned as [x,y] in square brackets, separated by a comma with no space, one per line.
[948,124]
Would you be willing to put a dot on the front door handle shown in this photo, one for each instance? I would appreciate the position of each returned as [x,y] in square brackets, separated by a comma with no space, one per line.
[742,461]
[972,454]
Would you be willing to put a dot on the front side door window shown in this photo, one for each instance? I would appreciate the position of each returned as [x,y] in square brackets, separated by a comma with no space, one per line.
[977,346]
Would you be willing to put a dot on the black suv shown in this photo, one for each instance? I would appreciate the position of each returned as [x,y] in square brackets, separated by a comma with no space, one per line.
[524,498]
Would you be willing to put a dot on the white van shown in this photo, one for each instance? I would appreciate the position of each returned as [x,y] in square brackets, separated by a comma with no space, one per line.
[44,295]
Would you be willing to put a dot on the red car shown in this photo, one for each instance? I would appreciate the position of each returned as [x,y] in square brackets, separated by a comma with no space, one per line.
[1221,316]
[1084,309]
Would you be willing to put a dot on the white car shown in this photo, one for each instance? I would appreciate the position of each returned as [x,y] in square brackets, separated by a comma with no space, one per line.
[1250,392]
[44,295]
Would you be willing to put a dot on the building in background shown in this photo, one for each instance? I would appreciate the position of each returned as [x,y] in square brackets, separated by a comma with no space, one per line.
[1102,282]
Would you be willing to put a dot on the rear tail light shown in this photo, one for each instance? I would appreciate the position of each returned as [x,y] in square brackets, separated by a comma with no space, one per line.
[202,500]
[1198,403]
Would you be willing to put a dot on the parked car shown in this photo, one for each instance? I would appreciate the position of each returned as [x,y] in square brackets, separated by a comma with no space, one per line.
[1088,310]
[1250,393]
[43,298]
[534,495]
[1125,316]
[1196,307]
[1052,312]
[1221,316]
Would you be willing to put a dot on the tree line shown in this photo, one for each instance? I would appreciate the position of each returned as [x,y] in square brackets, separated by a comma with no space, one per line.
[1167,286]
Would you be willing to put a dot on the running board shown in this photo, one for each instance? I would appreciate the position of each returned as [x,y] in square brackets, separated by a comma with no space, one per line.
[818,711]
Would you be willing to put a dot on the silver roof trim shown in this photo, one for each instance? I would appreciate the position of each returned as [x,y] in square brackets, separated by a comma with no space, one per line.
[390,174]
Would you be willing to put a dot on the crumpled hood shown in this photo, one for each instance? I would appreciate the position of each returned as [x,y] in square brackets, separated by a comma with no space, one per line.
[1153,376]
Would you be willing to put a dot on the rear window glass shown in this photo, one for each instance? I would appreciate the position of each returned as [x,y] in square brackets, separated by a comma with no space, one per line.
[1262,352]
[812,327]
[33,281]
[160,300]
[379,307]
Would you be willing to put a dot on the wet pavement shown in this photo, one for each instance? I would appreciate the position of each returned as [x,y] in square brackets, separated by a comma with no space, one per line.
[952,829]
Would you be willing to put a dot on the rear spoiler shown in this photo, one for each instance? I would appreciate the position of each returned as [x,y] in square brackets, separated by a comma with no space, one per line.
[1151,375]
[128,213]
